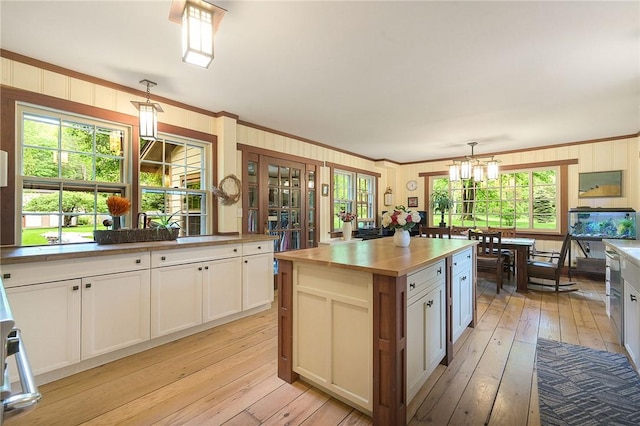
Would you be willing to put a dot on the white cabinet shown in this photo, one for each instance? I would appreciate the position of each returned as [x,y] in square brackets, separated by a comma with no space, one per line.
[176,298]
[462,293]
[257,280]
[66,321]
[49,317]
[115,312]
[426,337]
[426,324]
[632,321]
[222,292]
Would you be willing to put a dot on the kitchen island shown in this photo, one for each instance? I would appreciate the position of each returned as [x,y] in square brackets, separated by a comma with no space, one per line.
[343,318]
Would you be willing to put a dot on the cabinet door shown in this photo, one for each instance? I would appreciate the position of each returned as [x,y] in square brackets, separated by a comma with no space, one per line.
[222,288]
[416,344]
[49,317]
[631,322]
[176,298]
[462,293]
[435,327]
[115,312]
[257,280]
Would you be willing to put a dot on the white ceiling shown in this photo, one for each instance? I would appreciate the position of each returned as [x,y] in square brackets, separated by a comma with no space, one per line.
[404,81]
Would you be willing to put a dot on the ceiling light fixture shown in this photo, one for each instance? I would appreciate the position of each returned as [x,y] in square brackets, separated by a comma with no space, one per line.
[472,167]
[148,112]
[200,20]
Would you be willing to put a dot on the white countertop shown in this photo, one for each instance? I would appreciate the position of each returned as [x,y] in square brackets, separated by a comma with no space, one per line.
[629,248]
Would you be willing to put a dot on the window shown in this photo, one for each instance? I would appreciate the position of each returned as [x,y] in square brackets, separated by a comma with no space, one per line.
[354,192]
[172,183]
[527,200]
[69,165]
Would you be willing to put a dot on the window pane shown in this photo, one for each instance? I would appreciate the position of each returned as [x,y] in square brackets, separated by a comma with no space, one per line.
[77,137]
[40,162]
[108,169]
[40,131]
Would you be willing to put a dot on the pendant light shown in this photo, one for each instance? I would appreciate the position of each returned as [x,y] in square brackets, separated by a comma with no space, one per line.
[148,112]
[472,167]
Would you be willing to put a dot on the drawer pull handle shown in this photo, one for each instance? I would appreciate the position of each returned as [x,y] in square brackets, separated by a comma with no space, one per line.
[412,286]
[235,250]
[87,285]
[200,268]
[163,258]
[430,303]
[206,268]
[633,298]
[439,270]
[464,278]
[138,261]
[75,288]
[6,276]
[259,247]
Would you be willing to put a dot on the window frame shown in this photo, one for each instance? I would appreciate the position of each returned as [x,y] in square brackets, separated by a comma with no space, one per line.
[354,192]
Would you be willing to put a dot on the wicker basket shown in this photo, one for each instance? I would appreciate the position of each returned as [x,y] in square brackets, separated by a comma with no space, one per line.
[120,236]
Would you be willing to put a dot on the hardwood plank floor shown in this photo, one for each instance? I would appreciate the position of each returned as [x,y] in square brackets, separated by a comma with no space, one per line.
[227,375]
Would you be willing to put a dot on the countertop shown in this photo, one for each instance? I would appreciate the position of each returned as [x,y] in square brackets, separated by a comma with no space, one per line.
[629,248]
[379,256]
[11,255]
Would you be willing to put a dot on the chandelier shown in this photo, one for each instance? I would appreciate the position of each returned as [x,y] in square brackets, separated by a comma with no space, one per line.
[473,167]
[148,112]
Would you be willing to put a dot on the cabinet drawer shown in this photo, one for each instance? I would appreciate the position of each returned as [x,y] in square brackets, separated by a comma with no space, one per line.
[462,259]
[192,255]
[420,280]
[58,270]
[257,247]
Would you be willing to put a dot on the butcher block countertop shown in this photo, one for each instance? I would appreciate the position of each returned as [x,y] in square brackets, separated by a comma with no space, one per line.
[12,255]
[379,256]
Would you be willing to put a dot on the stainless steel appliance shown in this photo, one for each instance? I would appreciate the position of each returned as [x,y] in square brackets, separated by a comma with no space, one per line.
[12,346]
[616,301]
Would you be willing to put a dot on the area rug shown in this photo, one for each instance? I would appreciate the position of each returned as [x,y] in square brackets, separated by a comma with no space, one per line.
[583,386]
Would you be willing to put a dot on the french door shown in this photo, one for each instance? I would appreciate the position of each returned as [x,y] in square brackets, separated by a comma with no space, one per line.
[280,199]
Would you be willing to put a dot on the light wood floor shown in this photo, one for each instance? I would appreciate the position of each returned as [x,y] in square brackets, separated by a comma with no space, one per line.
[227,375]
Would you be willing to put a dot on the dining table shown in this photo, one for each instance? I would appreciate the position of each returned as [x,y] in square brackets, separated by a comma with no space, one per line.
[522,248]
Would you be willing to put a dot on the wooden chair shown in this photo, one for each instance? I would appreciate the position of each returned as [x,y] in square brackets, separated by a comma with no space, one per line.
[550,270]
[489,254]
[509,255]
[433,232]
[458,230]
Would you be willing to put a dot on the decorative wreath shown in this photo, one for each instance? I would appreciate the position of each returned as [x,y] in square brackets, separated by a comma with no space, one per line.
[226,197]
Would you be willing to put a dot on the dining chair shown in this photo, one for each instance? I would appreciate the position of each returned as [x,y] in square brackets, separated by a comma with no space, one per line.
[458,230]
[435,232]
[489,254]
[509,255]
[551,269]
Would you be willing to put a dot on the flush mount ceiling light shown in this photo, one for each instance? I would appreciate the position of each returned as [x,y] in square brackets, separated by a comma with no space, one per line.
[148,112]
[473,167]
[200,20]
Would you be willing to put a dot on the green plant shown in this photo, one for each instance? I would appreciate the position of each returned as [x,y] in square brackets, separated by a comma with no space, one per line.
[164,221]
[441,202]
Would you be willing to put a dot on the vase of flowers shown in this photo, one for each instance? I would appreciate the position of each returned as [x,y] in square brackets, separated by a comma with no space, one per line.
[402,220]
[118,207]
[347,224]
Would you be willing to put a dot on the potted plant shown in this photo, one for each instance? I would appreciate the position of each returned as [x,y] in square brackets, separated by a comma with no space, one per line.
[441,202]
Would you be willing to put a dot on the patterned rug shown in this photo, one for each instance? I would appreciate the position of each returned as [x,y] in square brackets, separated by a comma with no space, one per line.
[583,386]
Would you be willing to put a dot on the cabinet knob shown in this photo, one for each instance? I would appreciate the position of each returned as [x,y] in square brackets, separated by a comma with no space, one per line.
[75,288]
[200,268]
[206,268]
[440,269]
[235,250]
[6,276]
[430,303]
[468,256]
[246,261]
[633,298]
[464,278]
[138,261]
[412,286]
[163,258]
[87,285]
[259,247]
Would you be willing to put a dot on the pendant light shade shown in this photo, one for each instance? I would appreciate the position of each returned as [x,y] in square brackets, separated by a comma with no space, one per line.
[148,113]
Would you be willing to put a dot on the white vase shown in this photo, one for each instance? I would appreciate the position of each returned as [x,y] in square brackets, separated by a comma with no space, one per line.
[401,238]
[347,227]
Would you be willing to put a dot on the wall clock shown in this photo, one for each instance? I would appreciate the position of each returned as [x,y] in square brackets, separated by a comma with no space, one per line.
[412,185]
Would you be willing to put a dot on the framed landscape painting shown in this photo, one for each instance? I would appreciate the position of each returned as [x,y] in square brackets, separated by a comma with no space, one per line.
[600,184]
